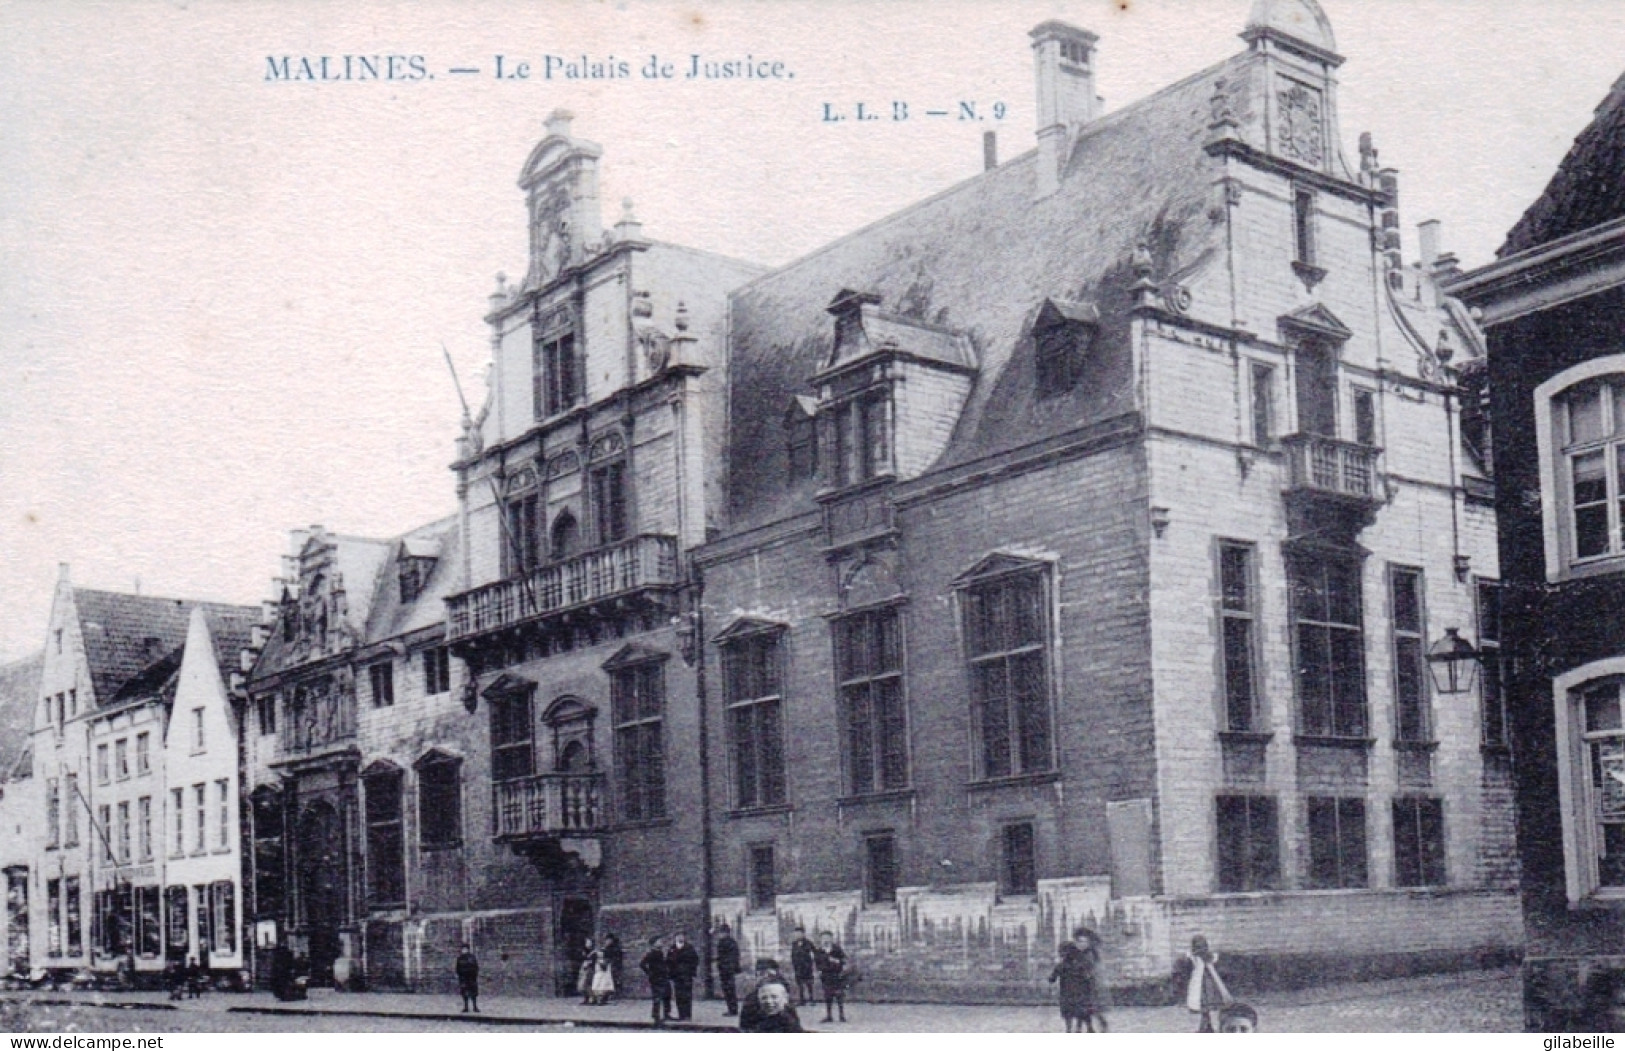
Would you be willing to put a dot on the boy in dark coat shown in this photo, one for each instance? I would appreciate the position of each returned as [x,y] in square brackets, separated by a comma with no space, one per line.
[726,951]
[1078,971]
[682,964]
[831,961]
[468,979]
[654,968]
[802,963]
[615,956]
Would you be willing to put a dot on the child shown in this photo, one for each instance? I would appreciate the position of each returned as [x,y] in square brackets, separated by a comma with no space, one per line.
[1205,991]
[603,979]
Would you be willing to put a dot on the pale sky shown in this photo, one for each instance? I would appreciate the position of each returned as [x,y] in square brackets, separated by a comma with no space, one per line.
[222,300]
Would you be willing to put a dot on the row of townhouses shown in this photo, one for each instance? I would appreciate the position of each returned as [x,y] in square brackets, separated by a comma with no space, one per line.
[1100,540]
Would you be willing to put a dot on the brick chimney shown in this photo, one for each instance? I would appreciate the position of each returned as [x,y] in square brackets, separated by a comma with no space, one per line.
[1064,62]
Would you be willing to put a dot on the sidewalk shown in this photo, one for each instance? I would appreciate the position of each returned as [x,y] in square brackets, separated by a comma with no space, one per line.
[1480,1001]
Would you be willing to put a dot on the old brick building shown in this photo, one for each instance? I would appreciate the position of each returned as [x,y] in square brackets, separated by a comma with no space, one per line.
[1551,308]
[486,730]
[1099,518]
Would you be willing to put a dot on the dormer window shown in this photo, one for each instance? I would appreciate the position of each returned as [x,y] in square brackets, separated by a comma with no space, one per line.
[861,439]
[1062,336]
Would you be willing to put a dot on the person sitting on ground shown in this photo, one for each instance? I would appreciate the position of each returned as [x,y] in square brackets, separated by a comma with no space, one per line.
[773,1013]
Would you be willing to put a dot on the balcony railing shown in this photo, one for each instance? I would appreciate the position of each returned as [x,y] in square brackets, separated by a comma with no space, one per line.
[632,565]
[548,805]
[1338,468]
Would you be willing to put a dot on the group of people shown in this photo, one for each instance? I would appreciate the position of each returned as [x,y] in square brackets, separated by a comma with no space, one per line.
[598,976]
[189,979]
[1083,991]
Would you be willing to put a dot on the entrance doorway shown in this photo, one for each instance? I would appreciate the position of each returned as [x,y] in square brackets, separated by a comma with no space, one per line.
[575,930]
[321,885]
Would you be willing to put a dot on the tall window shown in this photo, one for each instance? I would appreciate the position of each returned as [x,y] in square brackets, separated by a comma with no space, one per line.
[762,881]
[1491,682]
[1418,842]
[1330,646]
[869,666]
[265,708]
[752,691]
[1365,417]
[638,703]
[440,802]
[1593,448]
[1007,646]
[385,861]
[1263,407]
[1303,226]
[1018,860]
[73,915]
[121,758]
[523,538]
[143,753]
[609,511]
[1238,616]
[177,807]
[1315,366]
[1249,855]
[512,731]
[103,766]
[104,822]
[224,916]
[381,677]
[557,376]
[200,899]
[149,933]
[175,920]
[880,868]
[53,813]
[198,741]
[222,798]
[53,917]
[144,827]
[200,805]
[124,832]
[861,439]
[70,811]
[436,670]
[801,433]
[1337,855]
[1603,735]
[1412,718]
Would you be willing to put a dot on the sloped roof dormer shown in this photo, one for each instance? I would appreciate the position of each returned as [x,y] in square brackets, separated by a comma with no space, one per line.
[863,330]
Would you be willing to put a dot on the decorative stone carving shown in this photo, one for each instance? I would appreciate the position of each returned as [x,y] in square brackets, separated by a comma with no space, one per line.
[522,479]
[564,463]
[607,445]
[1300,123]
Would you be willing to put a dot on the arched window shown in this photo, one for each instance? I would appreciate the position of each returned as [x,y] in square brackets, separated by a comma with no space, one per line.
[1590,710]
[1580,432]
[563,542]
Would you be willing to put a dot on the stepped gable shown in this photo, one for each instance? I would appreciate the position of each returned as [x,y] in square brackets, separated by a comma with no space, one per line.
[1589,187]
[981,258]
[126,634]
[19,692]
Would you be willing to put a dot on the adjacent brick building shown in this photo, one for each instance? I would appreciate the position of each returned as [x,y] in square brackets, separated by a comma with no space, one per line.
[1090,527]
[1551,307]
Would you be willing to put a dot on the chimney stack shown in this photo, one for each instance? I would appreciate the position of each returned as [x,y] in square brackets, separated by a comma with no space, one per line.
[1063,61]
[1427,237]
[990,151]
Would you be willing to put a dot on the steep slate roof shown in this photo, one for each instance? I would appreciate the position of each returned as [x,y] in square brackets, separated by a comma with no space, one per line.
[19,692]
[124,634]
[981,258]
[1589,187]
[229,627]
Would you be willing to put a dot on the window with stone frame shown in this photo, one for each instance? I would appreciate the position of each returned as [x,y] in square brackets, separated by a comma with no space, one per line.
[1496,719]
[557,375]
[1018,859]
[1337,842]
[143,754]
[440,801]
[1304,247]
[860,438]
[610,512]
[223,913]
[1263,414]
[752,684]
[1328,644]
[1419,859]
[73,915]
[436,670]
[1238,628]
[104,832]
[1413,718]
[265,708]
[869,675]
[381,678]
[1007,650]
[386,863]
[1249,844]
[1596,716]
[522,551]
[124,832]
[53,917]
[513,731]
[1580,433]
[104,768]
[53,813]
[638,706]
[149,931]
[144,827]
[70,810]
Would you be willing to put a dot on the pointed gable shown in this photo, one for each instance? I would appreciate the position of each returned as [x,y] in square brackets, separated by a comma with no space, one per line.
[741,627]
[634,653]
[1314,322]
[997,564]
[126,634]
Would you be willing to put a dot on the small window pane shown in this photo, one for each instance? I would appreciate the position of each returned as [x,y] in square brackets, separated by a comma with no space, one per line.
[1602,708]
[1585,416]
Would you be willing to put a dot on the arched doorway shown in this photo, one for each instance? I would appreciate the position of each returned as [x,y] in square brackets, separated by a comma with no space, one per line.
[321,884]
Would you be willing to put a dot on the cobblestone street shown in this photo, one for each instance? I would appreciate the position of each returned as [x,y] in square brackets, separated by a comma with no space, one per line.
[1486,1001]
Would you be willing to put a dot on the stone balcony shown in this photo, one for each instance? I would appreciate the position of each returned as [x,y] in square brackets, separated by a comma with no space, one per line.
[545,806]
[642,569]
[1328,479]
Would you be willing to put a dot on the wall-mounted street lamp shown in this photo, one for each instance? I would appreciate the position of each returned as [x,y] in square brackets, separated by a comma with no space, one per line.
[1454,662]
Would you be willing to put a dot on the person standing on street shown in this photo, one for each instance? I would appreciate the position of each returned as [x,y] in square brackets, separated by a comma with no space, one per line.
[616,957]
[831,961]
[802,963]
[1078,971]
[727,954]
[468,979]
[1205,992]
[682,964]
[653,966]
